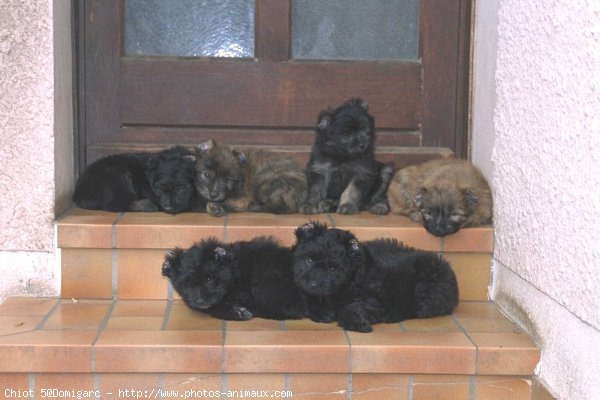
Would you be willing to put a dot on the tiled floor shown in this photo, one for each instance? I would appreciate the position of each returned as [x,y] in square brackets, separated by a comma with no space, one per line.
[133,335]
[148,339]
[475,350]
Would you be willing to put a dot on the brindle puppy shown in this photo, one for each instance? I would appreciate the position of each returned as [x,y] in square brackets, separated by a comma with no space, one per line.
[443,195]
[251,180]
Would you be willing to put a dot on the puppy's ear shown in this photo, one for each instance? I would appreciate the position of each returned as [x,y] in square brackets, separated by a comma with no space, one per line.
[205,147]
[305,232]
[471,198]
[363,104]
[171,263]
[240,155]
[309,231]
[418,199]
[354,250]
[324,120]
[220,253]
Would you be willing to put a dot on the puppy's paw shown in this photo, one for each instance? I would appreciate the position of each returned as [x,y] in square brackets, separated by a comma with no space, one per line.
[379,209]
[327,205]
[308,209]
[144,205]
[241,314]
[322,315]
[215,209]
[356,325]
[255,207]
[347,208]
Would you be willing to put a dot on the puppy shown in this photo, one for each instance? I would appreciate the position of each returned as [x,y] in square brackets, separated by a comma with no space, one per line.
[250,180]
[162,181]
[443,195]
[359,284]
[342,172]
[236,281]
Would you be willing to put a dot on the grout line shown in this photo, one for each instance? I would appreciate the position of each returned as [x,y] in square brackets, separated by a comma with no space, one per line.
[411,389]
[41,324]
[402,327]
[101,329]
[114,258]
[282,325]
[225,226]
[331,220]
[223,355]
[349,387]
[31,385]
[224,386]
[472,383]
[161,384]
[97,386]
[347,336]
[286,384]
[169,290]
[464,331]
[168,310]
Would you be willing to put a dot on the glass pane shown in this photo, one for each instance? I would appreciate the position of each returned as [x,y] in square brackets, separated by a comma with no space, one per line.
[193,28]
[355,29]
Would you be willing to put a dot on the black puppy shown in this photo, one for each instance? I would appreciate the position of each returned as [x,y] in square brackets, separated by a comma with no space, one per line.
[342,171]
[359,284]
[140,182]
[236,281]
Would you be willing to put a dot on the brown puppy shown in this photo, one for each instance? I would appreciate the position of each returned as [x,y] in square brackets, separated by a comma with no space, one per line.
[250,180]
[443,195]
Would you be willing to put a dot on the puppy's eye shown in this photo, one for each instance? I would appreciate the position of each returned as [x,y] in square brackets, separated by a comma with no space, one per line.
[308,260]
[204,174]
[331,267]
[180,188]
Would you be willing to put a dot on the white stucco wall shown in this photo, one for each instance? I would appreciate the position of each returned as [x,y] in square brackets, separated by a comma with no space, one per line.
[545,176]
[35,131]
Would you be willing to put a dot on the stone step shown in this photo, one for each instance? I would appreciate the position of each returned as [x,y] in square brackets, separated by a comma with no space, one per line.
[152,345]
[106,255]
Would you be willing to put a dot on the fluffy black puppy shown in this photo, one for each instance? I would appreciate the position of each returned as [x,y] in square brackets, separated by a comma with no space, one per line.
[342,171]
[236,281]
[140,182]
[360,284]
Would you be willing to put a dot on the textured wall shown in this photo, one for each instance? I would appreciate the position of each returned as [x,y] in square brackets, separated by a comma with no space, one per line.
[26,126]
[485,48]
[547,153]
[29,98]
[546,178]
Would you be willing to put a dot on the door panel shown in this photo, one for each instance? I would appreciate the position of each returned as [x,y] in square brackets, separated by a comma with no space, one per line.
[130,102]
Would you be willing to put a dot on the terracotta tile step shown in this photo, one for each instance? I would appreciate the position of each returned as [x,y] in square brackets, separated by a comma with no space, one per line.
[303,386]
[104,230]
[106,255]
[49,335]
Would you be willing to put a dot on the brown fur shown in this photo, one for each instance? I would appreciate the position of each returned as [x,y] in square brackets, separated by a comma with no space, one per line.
[453,190]
[248,180]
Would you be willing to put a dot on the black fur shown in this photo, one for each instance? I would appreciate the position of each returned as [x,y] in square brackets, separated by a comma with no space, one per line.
[140,182]
[342,172]
[360,284]
[236,281]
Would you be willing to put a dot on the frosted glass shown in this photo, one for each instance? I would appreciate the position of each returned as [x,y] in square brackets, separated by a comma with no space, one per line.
[192,28]
[355,29]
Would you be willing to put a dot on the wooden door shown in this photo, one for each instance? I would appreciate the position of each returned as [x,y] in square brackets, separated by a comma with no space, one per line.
[129,102]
